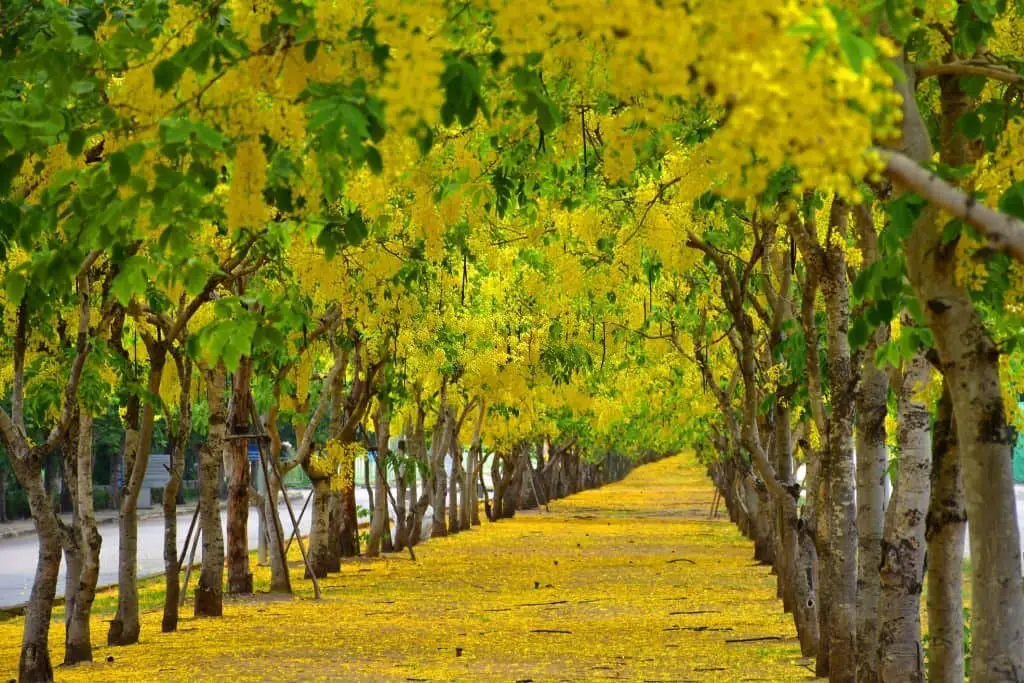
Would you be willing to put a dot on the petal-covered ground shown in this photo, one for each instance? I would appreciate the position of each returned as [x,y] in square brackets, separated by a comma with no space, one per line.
[628,582]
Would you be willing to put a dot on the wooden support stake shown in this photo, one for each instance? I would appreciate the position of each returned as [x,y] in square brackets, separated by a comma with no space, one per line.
[188,536]
[188,569]
[266,477]
[295,529]
[291,513]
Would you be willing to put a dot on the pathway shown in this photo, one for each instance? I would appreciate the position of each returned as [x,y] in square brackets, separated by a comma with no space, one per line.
[629,582]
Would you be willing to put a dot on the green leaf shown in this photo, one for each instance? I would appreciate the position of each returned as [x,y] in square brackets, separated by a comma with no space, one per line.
[166,74]
[14,285]
[76,142]
[856,50]
[970,125]
[951,231]
[310,50]
[374,160]
[131,280]
[83,87]
[120,168]
[196,278]
[973,85]
[1012,201]
[9,169]
[859,332]
[356,229]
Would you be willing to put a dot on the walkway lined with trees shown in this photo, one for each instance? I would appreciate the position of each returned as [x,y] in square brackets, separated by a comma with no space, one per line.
[568,235]
[629,581]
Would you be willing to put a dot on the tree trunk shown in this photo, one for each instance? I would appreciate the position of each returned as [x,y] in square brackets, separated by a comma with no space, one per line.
[473,476]
[209,591]
[903,543]
[70,540]
[236,465]
[124,628]
[946,525]
[840,569]
[872,461]
[382,426]
[278,539]
[401,488]
[349,516]
[970,364]
[319,551]
[454,480]
[34,664]
[78,645]
[335,529]
[512,477]
[805,587]
[498,480]
[439,488]
[280,580]
[172,569]
[471,503]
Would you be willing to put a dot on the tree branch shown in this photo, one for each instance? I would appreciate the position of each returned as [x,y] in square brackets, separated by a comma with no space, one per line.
[1004,233]
[996,72]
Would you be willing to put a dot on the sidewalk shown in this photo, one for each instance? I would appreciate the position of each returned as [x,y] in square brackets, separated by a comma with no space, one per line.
[25,527]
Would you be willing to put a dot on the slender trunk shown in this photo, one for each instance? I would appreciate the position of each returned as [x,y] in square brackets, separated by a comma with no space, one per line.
[439,499]
[417,506]
[438,481]
[79,639]
[471,503]
[349,515]
[280,581]
[124,628]
[498,472]
[73,561]
[841,567]
[382,426]
[401,488]
[454,479]
[319,551]
[946,525]
[903,543]
[178,443]
[236,464]
[513,482]
[278,539]
[786,529]
[472,477]
[818,519]
[370,483]
[872,459]
[806,589]
[71,542]
[209,591]
[335,530]
[34,664]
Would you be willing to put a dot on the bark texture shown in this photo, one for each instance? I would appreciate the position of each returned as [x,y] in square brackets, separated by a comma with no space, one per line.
[903,544]
[210,589]
[970,363]
[946,526]
[236,465]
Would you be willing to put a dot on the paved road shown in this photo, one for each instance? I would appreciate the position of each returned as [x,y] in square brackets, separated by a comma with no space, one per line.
[19,554]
